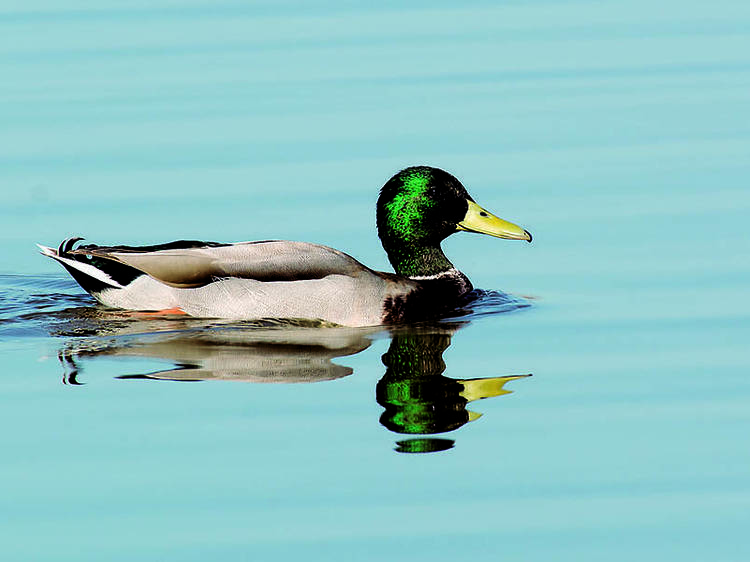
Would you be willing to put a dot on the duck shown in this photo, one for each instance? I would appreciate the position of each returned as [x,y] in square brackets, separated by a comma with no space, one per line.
[417,208]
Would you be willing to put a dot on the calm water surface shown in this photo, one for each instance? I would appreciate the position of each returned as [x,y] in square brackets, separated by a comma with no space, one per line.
[616,132]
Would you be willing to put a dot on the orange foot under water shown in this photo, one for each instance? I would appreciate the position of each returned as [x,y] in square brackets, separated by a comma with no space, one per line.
[165,312]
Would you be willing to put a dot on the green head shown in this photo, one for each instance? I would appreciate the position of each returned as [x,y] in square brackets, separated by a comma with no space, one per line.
[421,206]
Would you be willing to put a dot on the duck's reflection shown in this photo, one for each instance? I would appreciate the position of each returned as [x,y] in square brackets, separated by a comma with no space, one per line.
[260,356]
[418,399]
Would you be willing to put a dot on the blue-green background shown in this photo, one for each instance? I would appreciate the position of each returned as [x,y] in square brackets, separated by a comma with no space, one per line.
[617,132]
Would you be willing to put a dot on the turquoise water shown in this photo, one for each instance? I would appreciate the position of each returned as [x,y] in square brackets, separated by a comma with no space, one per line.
[617,133]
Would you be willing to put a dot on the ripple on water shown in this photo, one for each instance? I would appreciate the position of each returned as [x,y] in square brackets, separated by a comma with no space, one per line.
[26,299]
[486,303]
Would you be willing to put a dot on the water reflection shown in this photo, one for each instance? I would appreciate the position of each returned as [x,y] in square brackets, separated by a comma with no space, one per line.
[418,399]
[260,355]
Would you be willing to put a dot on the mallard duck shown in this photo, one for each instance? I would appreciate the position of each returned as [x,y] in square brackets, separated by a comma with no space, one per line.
[417,209]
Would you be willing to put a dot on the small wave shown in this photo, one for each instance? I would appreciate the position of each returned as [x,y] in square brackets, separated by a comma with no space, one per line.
[480,303]
[24,299]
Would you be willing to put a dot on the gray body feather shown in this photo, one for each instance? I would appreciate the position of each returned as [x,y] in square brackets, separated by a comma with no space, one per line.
[273,260]
[251,280]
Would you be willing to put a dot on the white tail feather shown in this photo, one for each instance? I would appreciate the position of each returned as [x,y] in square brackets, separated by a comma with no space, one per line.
[47,251]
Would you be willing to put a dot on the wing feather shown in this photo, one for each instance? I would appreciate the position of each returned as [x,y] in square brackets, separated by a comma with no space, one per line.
[274,260]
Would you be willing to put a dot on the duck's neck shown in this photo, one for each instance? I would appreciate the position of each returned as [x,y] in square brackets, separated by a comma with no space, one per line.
[417,260]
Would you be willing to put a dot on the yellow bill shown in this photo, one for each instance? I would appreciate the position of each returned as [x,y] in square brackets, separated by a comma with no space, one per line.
[479,220]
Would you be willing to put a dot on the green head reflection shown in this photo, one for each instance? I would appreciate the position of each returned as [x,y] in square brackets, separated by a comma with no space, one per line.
[418,399]
[424,445]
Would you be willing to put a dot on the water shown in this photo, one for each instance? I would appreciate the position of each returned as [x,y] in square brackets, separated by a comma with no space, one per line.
[617,133]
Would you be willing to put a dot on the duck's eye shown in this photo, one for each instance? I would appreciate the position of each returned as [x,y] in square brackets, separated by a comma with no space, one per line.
[482,214]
